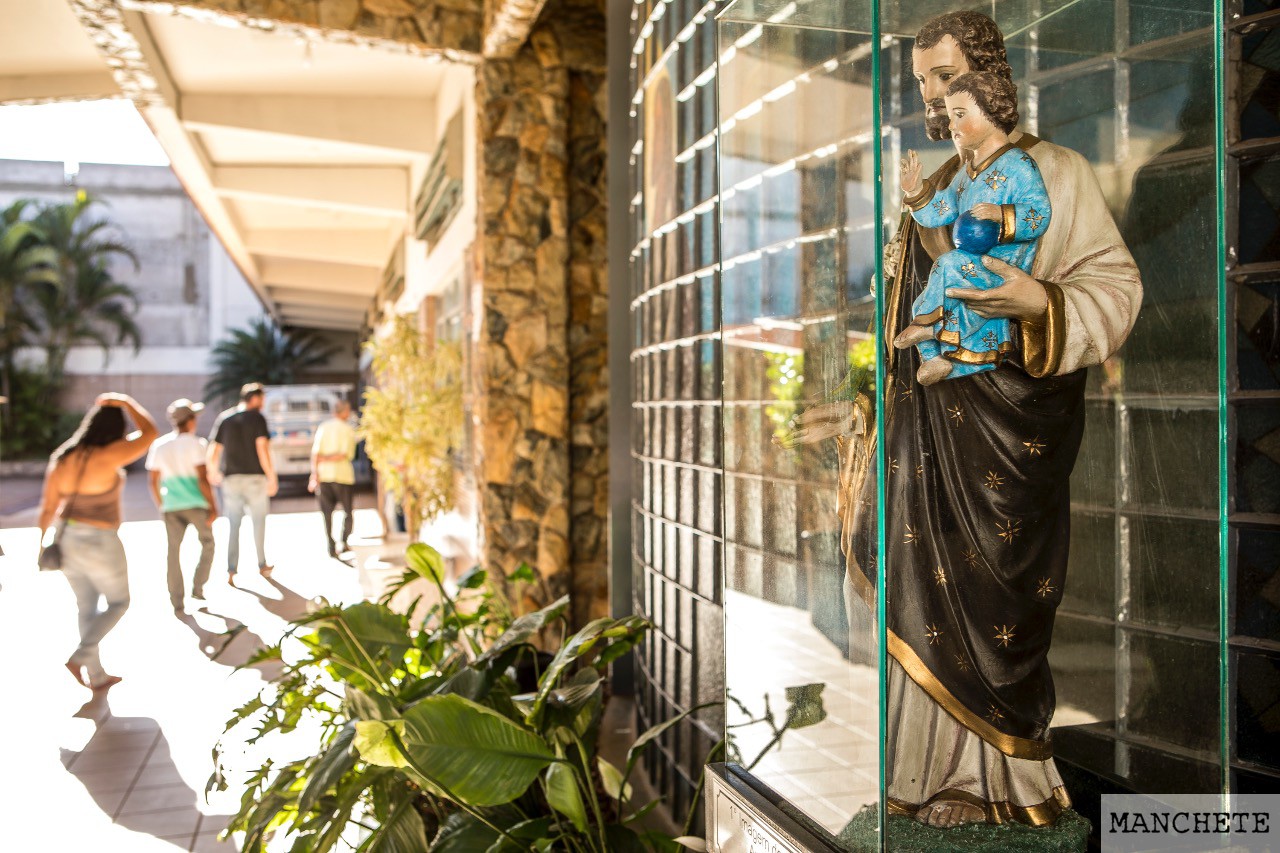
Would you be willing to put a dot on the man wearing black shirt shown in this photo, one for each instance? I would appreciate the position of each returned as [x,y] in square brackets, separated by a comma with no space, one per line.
[240,460]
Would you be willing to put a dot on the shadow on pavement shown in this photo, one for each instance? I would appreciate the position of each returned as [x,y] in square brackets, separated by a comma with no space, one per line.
[127,768]
[231,647]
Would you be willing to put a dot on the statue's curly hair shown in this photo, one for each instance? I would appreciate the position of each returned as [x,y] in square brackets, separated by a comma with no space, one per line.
[979,38]
[996,96]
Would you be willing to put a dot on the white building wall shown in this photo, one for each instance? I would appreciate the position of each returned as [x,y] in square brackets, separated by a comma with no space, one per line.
[190,293]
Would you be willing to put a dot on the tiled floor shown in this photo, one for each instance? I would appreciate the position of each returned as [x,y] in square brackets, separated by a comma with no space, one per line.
[126,771]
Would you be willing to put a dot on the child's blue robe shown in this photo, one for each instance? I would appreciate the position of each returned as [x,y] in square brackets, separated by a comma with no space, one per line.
[1010,179]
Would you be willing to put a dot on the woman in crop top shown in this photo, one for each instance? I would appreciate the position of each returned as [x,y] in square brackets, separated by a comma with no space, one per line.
[83,485]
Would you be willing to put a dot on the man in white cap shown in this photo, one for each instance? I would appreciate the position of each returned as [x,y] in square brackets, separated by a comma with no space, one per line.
[180,487]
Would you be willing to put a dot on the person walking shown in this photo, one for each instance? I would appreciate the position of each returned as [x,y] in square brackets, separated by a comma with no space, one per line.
[239,459]
[178,476]
[333,477]
[82,487]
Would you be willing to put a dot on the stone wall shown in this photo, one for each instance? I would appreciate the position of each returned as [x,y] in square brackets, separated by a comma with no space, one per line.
[588,312]
[451,27]
[541,352]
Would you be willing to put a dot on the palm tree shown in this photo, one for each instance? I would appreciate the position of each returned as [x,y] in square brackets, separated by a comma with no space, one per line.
[79,239]
[90,307]
[25,262]
[84,303]
[264,353]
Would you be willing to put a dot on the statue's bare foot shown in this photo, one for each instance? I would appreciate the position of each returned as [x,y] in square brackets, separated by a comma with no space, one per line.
[933,371]
[945,814]
[912,335]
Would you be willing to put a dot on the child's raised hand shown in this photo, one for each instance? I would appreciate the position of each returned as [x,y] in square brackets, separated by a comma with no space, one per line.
[909,173]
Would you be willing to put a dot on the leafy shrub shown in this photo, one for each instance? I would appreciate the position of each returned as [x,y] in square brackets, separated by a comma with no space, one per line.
[34,426]
[456,735]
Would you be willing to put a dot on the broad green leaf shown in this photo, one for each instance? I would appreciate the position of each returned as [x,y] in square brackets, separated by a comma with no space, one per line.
[575,647]
[561,787]
[614,785]
[325,772]
[366,641]
[480,756]
[426,561]
[368,706]
[375,741]
[525,627]
[466,682]
[622,640]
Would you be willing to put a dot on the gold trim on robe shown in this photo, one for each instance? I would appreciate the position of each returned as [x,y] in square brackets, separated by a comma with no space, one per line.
[974,172]
[922,198]
[968,356]
[1008,223]
[928,319]
[1015,747]
[1040,814]
[1044,340]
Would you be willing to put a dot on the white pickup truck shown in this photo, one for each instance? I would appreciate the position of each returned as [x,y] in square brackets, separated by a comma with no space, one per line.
[293,413]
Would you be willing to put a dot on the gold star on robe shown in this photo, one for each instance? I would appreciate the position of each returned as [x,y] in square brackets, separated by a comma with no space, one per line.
[1004,634]
[994,481]
[993,714]
[933,634]
[940,576]
[1045,588]
[1010,529]
[956,414]
[910,537]
[962,663]
[1035,446]
[971,557]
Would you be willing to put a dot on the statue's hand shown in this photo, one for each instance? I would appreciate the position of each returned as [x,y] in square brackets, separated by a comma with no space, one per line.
[987,210]
[1021,297]
[909,173]
[824,421]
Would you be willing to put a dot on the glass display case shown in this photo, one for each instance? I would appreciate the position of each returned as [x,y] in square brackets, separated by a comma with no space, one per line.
[1069,551]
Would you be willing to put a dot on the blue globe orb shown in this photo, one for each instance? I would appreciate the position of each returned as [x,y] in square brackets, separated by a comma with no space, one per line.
[974,235]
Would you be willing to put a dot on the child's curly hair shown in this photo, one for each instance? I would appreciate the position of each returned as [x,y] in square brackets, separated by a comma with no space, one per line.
[994,94]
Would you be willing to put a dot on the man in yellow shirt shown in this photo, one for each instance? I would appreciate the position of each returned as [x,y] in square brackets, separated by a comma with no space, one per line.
[332,475]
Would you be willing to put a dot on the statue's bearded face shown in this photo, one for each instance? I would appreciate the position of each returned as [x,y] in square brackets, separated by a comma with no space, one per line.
[934,68]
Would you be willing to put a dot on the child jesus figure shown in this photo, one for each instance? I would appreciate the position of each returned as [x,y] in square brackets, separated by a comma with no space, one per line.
[998,205]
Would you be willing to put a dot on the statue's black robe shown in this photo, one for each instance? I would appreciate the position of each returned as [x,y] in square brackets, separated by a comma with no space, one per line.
[977,523]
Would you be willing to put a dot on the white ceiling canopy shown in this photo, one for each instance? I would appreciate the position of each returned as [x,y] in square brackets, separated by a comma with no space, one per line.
[304,156]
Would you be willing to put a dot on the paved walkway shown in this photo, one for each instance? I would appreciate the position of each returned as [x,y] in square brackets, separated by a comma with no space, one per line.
[127,771]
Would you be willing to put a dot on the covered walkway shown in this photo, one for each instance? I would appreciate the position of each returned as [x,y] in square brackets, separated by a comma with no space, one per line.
[126,771]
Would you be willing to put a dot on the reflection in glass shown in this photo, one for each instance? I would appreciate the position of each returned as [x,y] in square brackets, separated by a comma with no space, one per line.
[797,244]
